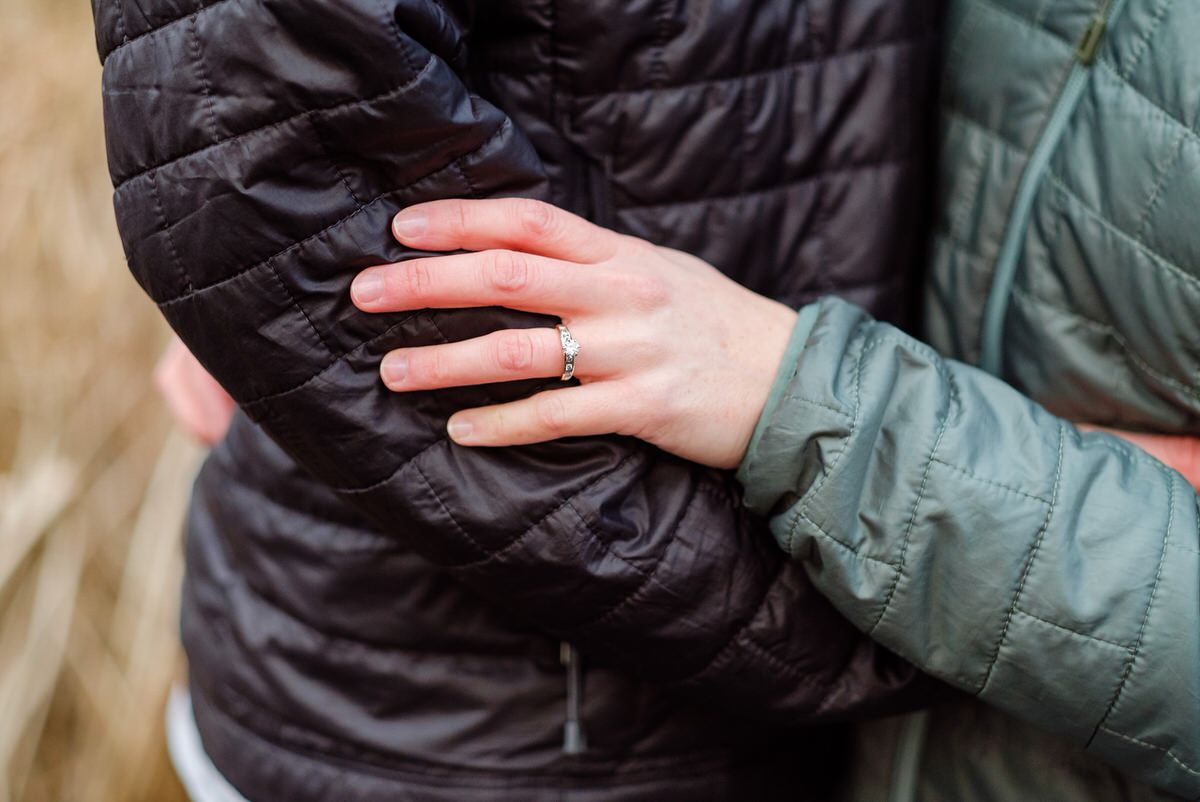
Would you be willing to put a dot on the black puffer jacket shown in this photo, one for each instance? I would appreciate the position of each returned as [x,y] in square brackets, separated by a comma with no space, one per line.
[371,612]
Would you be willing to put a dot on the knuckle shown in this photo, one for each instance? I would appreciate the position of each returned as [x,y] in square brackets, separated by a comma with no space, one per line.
[509,271]
[514,351]
[639,406]
[646,290]
[416,280]
[642,349]
[428,369]
[637,248]
[550,412]
[536,219]
[456,220]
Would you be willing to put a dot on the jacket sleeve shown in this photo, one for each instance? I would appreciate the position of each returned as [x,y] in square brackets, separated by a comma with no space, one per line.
[1051,573]
[259,151]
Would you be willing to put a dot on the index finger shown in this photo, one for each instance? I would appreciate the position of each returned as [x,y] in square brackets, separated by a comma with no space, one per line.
[517,224]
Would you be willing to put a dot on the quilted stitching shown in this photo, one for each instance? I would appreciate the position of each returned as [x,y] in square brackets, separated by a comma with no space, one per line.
[127,40]
[1141,636]
[377,200]
[121,182]
[912,518]
[404,465]
[649,577]
[197,55]
[1039,536]
[1127,352]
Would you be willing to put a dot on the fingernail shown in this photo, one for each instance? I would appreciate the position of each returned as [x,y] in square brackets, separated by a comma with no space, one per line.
[409,224]
[394,370]
[367,288]
[459,430]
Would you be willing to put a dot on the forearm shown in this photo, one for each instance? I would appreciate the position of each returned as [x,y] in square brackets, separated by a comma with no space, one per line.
[1049,572]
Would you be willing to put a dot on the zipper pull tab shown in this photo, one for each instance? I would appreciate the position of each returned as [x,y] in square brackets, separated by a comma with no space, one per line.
[1085,51]
[574,740]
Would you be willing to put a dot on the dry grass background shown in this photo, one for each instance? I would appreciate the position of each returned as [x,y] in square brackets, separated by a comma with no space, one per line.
[92,479]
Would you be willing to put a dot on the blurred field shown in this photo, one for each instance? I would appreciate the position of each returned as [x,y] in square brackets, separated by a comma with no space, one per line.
[92,479]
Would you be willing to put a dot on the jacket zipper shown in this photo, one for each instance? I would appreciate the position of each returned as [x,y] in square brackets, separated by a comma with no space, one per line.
[996,308]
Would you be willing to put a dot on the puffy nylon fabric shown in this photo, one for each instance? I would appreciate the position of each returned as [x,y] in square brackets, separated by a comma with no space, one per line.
[369,610]
[1102,315]
[1047,572]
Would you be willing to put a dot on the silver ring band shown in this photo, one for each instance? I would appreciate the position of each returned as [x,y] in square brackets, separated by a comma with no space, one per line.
[570,349]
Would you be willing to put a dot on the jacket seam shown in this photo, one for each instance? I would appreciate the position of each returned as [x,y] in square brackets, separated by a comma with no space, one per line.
[724,653]
[121,31]
[960,116]
[790,66]
[336,360]
[172,251]
[197,57]
[401,44]
[789,544]
[1182,548]
[1143,41]
[552,99]
[1027,568]
[384,95]
[127,40]
[802,510]
[331,637]
[821,404]
[1024,22]
[519,537]
[912,519]
[466,179]
[1125,647]
[658,62]
[838,541]
[295,304]
[333,163]
[608,549]
[441,439]
[784,186]
[1170,119]
[292,738]
[959,216]
[1129,354]
[1168,752]
[437,497]
[1137,646]
[991,482]
[1163,175]
[651,576]
[791,670]
[1160,261]
[268,262]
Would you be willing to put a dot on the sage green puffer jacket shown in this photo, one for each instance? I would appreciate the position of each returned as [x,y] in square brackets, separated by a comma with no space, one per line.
[1053,575]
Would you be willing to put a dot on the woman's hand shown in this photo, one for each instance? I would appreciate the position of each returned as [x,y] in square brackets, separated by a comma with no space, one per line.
[201,406]
[672,351]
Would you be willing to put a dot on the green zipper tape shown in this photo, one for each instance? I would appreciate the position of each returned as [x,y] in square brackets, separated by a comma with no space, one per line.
[996,309]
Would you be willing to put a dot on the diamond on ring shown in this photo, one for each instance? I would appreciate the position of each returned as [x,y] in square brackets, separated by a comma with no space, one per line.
[570,349]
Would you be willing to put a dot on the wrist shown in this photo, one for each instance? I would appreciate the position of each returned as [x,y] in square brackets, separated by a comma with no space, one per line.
[785,365]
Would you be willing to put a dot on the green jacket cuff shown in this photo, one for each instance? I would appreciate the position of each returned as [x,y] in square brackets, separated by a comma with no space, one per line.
[759,496]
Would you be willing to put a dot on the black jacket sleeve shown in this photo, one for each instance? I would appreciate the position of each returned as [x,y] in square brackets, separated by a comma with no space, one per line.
[258,150]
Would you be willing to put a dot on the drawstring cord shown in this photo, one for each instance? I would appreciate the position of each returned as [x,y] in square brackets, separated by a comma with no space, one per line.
[574,739]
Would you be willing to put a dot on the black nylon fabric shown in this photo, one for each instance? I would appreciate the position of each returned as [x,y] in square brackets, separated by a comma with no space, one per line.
[370,611]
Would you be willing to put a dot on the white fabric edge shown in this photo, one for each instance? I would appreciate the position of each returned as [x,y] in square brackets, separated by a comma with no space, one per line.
[200,778]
